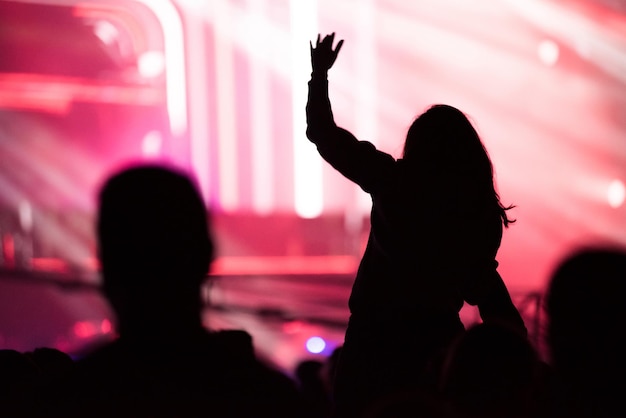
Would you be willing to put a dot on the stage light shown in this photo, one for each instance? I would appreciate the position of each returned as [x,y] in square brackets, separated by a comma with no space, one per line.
[616,193]
[315,345]
[548,52]
[151,64]
[293,327]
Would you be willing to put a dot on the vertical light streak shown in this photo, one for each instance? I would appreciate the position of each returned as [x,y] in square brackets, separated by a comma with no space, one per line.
[307,165]
[260,105]
[226,123]
[365,74]
[198,100]
[174,49]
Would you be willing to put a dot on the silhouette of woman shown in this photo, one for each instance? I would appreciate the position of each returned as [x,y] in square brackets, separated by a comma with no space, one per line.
[436,225]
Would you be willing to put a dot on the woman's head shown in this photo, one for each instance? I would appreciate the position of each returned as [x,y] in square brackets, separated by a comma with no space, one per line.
[441,130]
[446,150]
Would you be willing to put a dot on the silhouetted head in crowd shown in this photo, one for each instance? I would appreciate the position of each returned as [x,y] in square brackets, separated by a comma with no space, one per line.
[17,375]
[445,149]
[15,369]
[491,372]
[155,249]
[51,361]
[586,308]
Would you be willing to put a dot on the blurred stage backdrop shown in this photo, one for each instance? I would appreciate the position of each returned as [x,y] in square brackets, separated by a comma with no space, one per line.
[219,88]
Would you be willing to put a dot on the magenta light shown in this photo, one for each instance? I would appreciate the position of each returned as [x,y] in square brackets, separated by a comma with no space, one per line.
[106,326]
[85,329]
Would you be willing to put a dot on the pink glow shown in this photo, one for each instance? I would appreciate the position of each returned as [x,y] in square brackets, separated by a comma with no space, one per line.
[8,250]
[107,18]
[293,327]
[106,326]
[241,265]
[226,117]
[544,82]
[549,128]
[50,265]
[55,93]
[284,265]
[85,329]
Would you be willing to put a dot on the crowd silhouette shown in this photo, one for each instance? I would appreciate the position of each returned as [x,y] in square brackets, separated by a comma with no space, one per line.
[436,226]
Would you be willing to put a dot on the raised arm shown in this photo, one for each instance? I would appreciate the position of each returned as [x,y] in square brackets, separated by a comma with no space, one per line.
[357,160]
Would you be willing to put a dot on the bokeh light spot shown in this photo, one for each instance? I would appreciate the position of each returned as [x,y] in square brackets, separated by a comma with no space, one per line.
[106,326]
[548,52]
[616,194]
[152,143]
[85,329]
[315,345]
[151,64]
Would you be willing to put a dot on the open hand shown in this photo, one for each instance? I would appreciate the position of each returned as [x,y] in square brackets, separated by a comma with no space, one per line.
[322,55]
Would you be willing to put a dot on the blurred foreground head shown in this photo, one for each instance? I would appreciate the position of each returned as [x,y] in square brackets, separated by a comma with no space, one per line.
[490,372]
[154,242]
[586,306]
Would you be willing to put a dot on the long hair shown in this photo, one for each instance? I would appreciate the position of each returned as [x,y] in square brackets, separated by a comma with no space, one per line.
[444,147]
